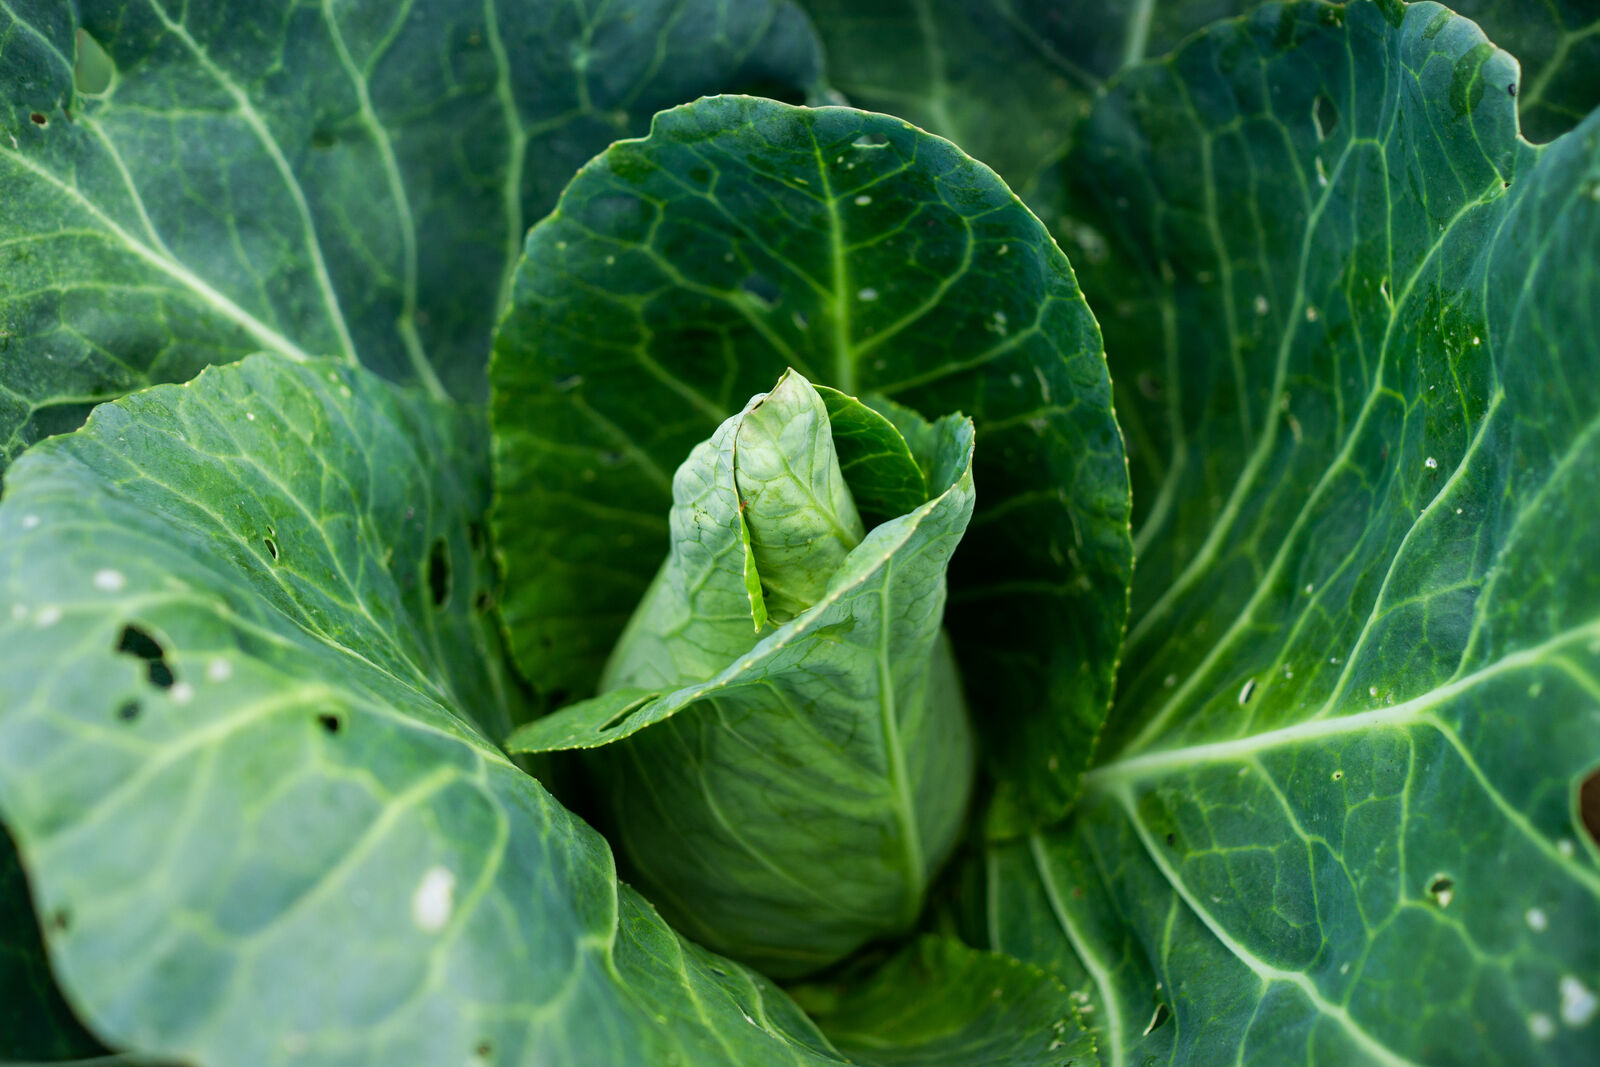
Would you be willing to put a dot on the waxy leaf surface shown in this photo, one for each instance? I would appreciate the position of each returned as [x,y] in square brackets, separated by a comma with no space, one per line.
[1337,816]
[345,179]
[241,754]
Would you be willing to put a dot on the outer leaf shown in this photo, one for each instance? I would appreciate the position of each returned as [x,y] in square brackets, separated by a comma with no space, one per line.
[1007,80]
[835,745]
[1558,46]
[684,272]
[939,1003]
[1339,820]
[325,179]
[236,752]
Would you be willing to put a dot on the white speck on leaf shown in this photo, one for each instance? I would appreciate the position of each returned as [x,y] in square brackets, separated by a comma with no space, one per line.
[182,693]
[219,670]
[1431,463]
[1578,1002]
[1541,1026]
[1170,681]
[48,615]
[109,580]
[433,900]
[867,294]
[1344,968]
[1262,307]
[29,521]
[1246,692]
[863,200]
[1311,314]
[250,415]
[19,611]
[1537,922]
[1565,847]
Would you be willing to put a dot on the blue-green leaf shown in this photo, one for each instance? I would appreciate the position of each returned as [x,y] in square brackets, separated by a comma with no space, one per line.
[346,179]
[240,752]
[1337,820]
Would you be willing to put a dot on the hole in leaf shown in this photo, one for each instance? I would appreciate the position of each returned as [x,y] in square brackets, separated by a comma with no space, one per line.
[1589,805]
[272,547]
[483,601]
[138,643]
[1160,1016]
[1442,889]
[1172,840]
[323,139]
[763,289]
[329,722]
[1512,88]
[40,118]
[60,919]
[92,72]
[872,140]
[719,972]
[439,573]
[558,697]
[1324,115]
[475,536]
[128,710]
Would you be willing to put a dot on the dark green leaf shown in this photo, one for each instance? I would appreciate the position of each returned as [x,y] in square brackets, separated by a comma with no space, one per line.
[1007,80]
[1337,820]
[884,477]
[1558,45]
[238,753]
[939,1003]
[684,272]
[338,180]
[35,1023]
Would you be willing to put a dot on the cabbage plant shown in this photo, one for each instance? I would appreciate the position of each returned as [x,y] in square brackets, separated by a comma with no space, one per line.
[930,533]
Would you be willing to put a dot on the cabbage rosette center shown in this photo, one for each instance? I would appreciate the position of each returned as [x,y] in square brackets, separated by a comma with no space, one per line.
[780,748]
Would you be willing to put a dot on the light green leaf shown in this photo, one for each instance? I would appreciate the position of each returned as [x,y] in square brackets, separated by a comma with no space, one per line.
[794,502]
[832,743]
[684,272]
[939,1003]
[238,754]
[1337,819]
[347,179]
